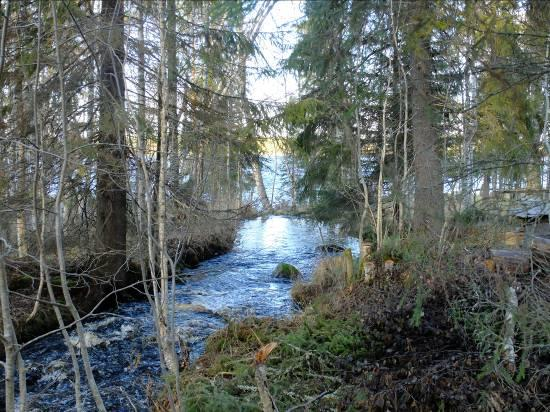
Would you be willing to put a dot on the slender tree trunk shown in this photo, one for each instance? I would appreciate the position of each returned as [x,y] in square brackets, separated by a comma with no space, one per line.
[485,187]
[111,151]
[145,202]
[428,200]
[545,135]
[141,122]
[59,228]
[11,347]
[171,100]
[260,186]
[166,335]
[469,129]
[366,209]
[20,156]
[380,194]
[404,92]
[38,180]
[8,338]
[3,35]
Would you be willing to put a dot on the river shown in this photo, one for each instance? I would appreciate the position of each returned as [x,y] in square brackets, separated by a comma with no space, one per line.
[123,352]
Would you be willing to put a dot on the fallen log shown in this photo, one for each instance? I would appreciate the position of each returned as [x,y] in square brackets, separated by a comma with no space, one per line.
[540,248]
[511,261]
[541,245]
[514,238]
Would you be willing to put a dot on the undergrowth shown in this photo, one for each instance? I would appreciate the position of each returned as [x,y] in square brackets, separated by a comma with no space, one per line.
[423,335]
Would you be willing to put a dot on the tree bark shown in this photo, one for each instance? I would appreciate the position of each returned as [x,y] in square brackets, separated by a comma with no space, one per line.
[111,152]
[380,191]
[428,199]
[469,130]
[171,100]
[260,186]
[166,333]
[38,180]
[21,158]
[8,338]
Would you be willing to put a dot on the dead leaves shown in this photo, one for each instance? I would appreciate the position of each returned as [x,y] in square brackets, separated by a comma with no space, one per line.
[264,352]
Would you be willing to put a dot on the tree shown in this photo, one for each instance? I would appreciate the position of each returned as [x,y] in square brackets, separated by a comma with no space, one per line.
[165,331]
[428,195]
[111,150]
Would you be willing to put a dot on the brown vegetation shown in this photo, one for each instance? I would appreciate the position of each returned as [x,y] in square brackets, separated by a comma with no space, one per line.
[425,334]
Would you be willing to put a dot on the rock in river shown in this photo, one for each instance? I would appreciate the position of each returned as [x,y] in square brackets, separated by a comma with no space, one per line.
[286,271]
[329,248]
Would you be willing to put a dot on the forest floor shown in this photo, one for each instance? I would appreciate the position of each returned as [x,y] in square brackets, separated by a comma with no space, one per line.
[423,336]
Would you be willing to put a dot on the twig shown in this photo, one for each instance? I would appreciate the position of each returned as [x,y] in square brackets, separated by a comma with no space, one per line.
[306,404]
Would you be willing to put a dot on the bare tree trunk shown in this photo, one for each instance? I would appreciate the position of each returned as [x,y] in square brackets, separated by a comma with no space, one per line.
[3,35]
[380,191]
[404,91]
[141,122]
[111,152]
[485,186]
[509,328]
[8,338]
[428,200]
[38,180]
[260,186]
[469,129]
[145,202]
[366,206]
[545,136]
[166,336]
[171,100]
[21,181]
[11,347]
[59,228]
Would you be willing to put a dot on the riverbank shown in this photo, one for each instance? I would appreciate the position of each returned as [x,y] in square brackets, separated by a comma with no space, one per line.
[418,334]
[24,274]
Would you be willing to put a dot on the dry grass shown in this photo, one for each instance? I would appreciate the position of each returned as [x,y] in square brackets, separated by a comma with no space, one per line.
[330,274]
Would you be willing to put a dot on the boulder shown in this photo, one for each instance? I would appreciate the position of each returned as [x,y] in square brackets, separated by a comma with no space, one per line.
[286,271]
[329,248]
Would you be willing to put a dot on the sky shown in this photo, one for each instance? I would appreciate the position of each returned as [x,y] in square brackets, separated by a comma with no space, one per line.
[279,88]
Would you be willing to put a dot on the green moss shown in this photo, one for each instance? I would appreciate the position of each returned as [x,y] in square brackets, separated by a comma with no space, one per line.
[287,271]
[18,282]
[202,396]
[71,282]
[313,349]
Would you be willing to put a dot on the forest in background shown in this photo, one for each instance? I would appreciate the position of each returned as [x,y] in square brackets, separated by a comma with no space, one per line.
[130,147]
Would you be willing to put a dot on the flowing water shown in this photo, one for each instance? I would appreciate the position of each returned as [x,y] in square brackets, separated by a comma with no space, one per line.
[122,347]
